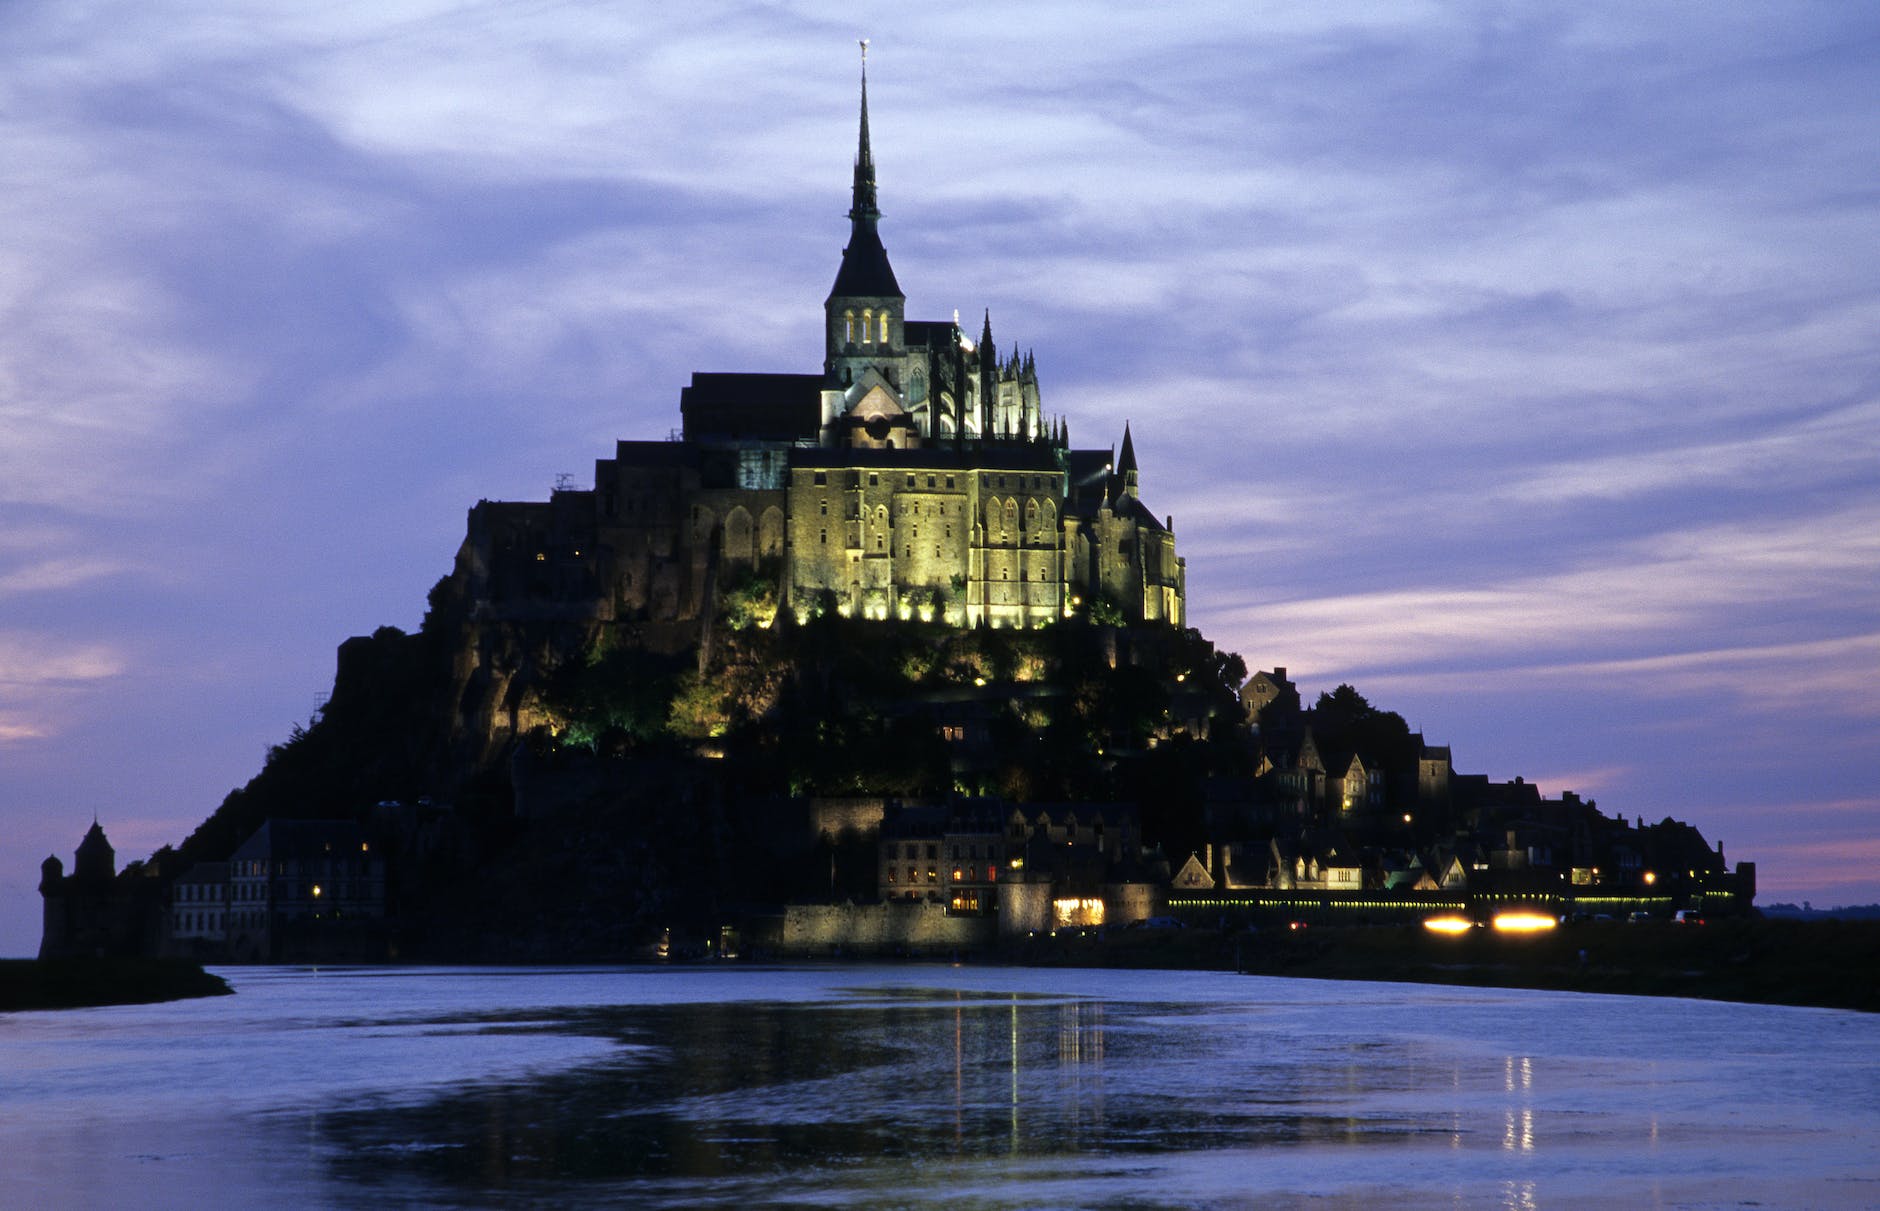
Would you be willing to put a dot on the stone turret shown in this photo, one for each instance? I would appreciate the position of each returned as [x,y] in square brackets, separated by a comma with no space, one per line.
[96,861]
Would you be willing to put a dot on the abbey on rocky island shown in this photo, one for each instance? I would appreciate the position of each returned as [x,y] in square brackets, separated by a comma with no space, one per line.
[915,476]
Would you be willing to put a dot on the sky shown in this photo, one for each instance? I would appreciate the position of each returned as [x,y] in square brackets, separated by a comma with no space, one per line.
[1514,363]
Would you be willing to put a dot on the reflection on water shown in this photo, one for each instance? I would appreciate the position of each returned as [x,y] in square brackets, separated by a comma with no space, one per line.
[1518,1079]
[931,1087]
[714,1091]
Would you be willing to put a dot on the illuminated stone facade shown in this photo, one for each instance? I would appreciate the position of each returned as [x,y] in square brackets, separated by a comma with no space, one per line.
[916,476]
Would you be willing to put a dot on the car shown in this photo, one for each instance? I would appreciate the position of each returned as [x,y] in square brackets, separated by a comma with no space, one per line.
[1638,918]
[1689,916]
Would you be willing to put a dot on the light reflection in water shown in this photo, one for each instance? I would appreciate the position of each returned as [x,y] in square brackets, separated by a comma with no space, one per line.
[1222,1093]
[1518,1120]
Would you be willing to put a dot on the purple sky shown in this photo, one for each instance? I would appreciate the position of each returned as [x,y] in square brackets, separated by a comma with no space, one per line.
[1516,363]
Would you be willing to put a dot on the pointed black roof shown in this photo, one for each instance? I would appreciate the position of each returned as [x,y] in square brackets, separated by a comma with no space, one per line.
[865,271]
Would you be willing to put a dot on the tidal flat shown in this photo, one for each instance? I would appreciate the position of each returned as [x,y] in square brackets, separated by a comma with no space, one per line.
[929,1086]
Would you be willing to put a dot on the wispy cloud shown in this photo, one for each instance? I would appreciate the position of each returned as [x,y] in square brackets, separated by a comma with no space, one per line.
[28,661]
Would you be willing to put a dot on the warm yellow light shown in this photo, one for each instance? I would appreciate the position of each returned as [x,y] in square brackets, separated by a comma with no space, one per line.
[1523,922]
[1650,878]
[1082,911]
[1448,924]
[316,891]
[979,681]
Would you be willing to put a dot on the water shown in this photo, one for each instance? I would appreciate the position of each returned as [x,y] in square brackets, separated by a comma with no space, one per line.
[930,1087]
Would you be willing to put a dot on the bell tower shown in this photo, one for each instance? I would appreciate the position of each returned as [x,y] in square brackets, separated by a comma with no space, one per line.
[866,311]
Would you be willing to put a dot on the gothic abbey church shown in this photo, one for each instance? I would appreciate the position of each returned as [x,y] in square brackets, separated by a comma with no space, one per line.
[915,476]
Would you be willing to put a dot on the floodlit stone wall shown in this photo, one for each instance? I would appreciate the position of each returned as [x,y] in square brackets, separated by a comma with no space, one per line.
[892,928]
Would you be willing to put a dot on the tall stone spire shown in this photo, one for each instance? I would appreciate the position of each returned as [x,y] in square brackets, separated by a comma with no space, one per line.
[864,310]
[865,271]
[865,208]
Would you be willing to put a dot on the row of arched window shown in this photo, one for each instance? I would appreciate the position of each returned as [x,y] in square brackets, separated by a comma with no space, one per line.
[872,322]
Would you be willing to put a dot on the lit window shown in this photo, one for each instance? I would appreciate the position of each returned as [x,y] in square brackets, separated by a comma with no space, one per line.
[884,327]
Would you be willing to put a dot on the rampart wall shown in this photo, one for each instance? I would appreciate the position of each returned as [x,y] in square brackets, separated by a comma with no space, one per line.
[891,928]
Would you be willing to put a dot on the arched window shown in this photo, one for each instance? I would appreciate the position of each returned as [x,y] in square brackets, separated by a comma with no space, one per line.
[1031,515]
[1011,514]
[868,326]
[884,327]
[848,327]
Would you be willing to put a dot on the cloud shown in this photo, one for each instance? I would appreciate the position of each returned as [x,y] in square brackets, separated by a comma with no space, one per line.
[1838,445]
[55,574]
[43,680]
[34,660]
[17,728]
[1476,351]
[1831,871]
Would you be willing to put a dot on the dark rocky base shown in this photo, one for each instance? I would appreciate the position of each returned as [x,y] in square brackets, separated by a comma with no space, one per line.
[82,983]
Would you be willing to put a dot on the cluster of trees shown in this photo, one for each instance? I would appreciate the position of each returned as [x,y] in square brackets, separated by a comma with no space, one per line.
[837,706]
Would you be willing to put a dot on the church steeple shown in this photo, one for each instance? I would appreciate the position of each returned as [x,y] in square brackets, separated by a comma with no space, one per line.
[865,208]
[865,272]
[865,307]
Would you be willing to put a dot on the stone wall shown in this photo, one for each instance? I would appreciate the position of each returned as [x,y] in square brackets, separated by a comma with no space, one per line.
[892,928]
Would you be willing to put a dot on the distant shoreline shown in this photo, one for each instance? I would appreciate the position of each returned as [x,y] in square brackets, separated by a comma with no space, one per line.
[32,984]
[1819,964]
[1831,964]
